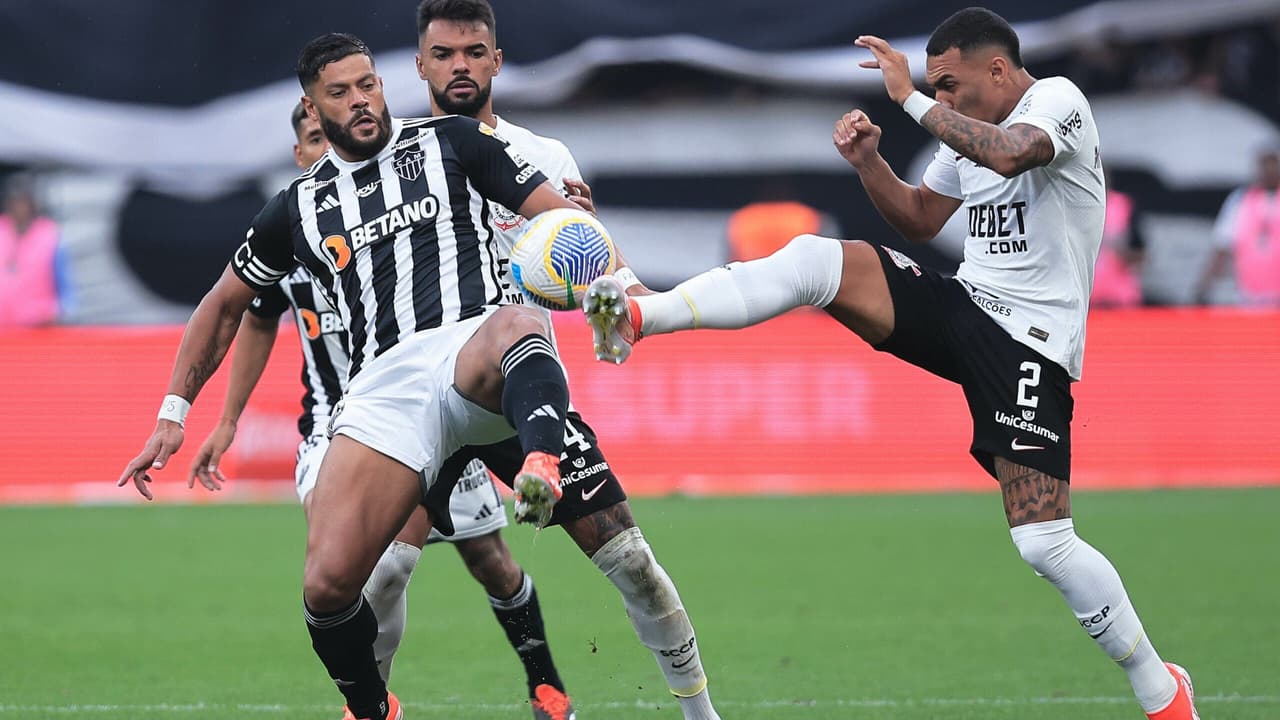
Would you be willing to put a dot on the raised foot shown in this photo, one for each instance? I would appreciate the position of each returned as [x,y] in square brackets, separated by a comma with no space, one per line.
[607,308]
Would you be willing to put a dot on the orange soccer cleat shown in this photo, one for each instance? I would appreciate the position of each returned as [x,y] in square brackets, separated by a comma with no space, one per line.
[393,710]
[1183,706]
[551,704]
[537,488]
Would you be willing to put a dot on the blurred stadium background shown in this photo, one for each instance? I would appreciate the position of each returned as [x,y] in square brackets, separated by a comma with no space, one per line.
[153,131]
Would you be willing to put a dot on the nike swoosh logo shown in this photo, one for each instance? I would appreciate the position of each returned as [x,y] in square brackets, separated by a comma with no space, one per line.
[1019,446]
[588,494]
[677,666]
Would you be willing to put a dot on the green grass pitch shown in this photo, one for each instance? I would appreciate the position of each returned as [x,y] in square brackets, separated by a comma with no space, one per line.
[868,607]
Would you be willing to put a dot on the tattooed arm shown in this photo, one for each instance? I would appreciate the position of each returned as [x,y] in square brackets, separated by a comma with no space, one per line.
[1009,152]
[208,335]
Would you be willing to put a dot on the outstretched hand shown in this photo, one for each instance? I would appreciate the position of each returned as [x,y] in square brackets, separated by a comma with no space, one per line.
[892,65]
[204,466]
[164,442]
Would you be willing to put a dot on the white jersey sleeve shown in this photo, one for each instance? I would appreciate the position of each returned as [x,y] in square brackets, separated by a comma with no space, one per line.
[942,176]
[1060,109]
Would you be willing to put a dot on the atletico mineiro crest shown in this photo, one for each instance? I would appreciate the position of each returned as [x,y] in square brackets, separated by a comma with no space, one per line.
[409,165]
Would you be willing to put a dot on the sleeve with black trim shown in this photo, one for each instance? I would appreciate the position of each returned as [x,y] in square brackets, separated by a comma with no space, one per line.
[498,170]
[266,255]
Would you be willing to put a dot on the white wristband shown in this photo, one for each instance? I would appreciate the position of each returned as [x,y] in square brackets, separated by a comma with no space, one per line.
[174,408]
[917,104]
[626,277]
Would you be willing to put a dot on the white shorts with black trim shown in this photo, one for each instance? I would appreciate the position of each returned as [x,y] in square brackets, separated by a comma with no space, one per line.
[404,404]
[475,506]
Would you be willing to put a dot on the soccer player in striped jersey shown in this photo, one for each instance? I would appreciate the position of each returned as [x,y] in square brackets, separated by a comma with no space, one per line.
[391,222]
[458,58]
[474,506]
[1022,155]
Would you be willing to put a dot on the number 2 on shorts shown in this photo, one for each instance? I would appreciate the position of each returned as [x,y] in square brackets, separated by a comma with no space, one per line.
[1026,384]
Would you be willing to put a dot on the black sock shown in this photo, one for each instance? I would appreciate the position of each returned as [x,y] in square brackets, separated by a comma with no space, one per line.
[535,396]
[344,642]
[521,618]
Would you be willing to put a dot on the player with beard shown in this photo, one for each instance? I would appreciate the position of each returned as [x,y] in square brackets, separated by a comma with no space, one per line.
[458,57]
[1022,155]
[389,222]
[473,508]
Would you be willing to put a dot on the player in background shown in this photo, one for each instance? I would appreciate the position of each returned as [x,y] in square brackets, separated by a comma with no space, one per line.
[1022,156]
[387,223]
[458,57]
[474,505]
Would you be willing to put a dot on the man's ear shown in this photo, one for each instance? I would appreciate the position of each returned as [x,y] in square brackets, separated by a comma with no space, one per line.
[999,69]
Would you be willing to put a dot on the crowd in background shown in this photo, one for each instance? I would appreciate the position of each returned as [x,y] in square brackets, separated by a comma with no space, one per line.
[1242,64]
[1243,250]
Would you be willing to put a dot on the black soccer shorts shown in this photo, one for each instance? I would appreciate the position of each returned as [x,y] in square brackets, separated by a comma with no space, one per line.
[1020,401]
[587,481]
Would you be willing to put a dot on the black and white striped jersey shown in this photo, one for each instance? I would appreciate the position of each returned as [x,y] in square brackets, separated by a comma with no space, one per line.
[324,343]
[400,242]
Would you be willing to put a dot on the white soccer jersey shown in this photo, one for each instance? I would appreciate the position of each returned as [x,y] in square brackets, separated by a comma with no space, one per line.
[1034,238]
[555,161]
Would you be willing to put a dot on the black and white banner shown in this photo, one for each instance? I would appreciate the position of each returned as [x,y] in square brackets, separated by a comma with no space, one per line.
[160,127]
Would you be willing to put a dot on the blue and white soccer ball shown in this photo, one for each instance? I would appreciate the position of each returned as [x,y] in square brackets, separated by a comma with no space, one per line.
[559,254]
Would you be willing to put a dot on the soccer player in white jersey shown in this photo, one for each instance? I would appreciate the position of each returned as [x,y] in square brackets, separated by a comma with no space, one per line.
[1022,156]
[458,58]
[389,223]
[474,506]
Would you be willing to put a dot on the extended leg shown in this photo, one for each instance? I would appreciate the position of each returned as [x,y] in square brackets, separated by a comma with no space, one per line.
[845,278]
[509,366]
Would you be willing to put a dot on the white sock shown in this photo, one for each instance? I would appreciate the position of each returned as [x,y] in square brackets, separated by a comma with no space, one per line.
[385,592]
[804,272]
[1095,593]
[656,613]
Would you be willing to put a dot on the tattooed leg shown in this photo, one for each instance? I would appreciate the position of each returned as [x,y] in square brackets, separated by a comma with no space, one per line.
[1039,510]
[1030,495]
[593,531]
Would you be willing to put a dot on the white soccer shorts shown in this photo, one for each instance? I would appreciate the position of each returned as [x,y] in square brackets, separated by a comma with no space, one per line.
[404,405]
[475,505]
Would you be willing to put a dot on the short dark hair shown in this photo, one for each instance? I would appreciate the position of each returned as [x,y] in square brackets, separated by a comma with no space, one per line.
[457,11]
[295,117]
[325,49]
[973,28]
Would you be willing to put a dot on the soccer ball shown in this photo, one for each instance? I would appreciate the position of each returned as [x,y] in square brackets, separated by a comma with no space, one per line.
[558,256]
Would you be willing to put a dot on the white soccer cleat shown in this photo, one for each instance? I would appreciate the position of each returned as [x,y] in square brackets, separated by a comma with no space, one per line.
[612,317]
